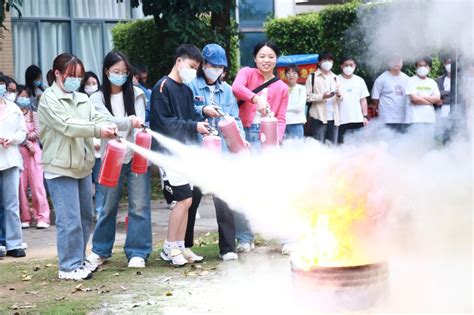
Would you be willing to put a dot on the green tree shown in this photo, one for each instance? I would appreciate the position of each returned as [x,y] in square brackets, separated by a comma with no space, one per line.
[6,6]
[181,21]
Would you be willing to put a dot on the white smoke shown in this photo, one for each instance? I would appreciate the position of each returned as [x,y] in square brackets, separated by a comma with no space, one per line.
[417,28]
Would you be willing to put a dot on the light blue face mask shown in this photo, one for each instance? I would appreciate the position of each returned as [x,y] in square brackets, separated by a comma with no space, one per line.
[3,89]
[38,83]
[71,84]
[117,79]
[23,102]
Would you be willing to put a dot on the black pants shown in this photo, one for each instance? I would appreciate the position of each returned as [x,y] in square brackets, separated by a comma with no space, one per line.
[399,128]
[189,238]
[323,132]
[226,227]
[346,129]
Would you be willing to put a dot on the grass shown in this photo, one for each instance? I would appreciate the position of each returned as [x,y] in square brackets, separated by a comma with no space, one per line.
[34,287]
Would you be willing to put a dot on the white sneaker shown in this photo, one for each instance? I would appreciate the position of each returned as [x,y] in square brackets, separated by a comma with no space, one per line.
[191,256]
[173,204]
[96,259]
[136,262]
[24,245]
[3,251]
[25,225]
[87,265]
[77,274]
[245,247]
[198,216]
[229,256]
[174,257]
[42,225]
[286,249]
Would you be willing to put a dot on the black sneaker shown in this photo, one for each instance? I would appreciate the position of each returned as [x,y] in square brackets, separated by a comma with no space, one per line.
[17,253]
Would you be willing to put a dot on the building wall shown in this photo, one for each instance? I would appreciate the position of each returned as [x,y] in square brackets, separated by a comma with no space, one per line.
[6,53]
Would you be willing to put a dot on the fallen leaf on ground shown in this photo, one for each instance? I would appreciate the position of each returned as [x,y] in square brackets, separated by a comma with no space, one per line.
[204,273]
[48,265]
[31,292]
[139,273]
[11,289]
[116,274]
[169,293]
[36,268]
[190,274]
[123,288]
[25,278]
[59,298]
[104,291]
[14,307]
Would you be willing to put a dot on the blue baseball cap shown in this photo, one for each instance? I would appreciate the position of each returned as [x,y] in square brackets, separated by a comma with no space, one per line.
[215,55]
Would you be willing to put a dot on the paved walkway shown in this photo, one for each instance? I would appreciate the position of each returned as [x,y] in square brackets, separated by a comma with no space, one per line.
[42,243]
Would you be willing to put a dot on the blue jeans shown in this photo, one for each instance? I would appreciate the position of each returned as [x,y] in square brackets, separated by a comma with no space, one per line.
[252,135]
[99,196]
[294,131]
[72,201]
[2,225]
[10,227]
[139,240]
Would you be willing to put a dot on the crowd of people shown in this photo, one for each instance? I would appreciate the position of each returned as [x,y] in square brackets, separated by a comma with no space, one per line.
[52,140]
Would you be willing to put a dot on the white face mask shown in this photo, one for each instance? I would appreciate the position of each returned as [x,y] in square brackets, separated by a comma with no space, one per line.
[326,65]
[89,89]
[212,73]
[187,74]
[348,70]
[422,71]
[10,96]
[448,68]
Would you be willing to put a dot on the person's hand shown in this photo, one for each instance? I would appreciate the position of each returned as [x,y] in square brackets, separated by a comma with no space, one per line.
[366,121]
[203,127]
[32,150]
[328,94]
[108,131]
[136,122]
[338,93]
[211,111]
[262,106]
[6,142]
[97,147]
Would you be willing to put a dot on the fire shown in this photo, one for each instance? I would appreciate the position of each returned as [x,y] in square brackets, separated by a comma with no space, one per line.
[336,228]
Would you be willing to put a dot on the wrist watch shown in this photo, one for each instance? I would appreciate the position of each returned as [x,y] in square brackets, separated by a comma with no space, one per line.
[366,117]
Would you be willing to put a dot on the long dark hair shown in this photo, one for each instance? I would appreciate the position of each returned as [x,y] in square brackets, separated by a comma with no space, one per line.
[87,75]
[110,59]
[31,74]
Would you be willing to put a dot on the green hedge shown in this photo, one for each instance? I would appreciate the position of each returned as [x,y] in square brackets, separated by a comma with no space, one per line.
[144,44]
[334,28]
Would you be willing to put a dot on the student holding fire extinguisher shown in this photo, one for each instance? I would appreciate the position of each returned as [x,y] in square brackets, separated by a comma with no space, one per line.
[209,90]
[68,124]
[124,105]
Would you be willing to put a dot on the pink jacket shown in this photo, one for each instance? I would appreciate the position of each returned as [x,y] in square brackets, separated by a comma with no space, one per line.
[247,80]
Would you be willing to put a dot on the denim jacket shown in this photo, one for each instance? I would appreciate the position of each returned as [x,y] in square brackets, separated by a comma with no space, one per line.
[223,97]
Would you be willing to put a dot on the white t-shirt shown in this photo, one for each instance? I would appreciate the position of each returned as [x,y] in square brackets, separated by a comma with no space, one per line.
[390,91]
[295,113]
[421,87]
[352,90]
[330,101]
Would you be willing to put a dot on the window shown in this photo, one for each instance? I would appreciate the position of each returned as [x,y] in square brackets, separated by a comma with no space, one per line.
[247,43]
[50,27]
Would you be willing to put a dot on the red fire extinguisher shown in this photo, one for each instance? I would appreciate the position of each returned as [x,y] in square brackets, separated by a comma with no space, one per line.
[230,132]
[112,163]
[212,143]
[268,132]
[139,162]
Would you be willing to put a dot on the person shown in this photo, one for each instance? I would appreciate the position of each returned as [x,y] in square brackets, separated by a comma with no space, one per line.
[32,175]
[209,90]
[12,87]
[443,122]
[295,114]
[124,105]
[12,134]
[140,73]
[89,85]
[34,81]
[172,113]
[324,96]
[252,107]
[353,104]
[388,96]
[424,95]
[68,123]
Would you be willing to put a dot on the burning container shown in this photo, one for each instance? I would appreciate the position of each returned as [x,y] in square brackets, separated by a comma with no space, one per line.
[347,288]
